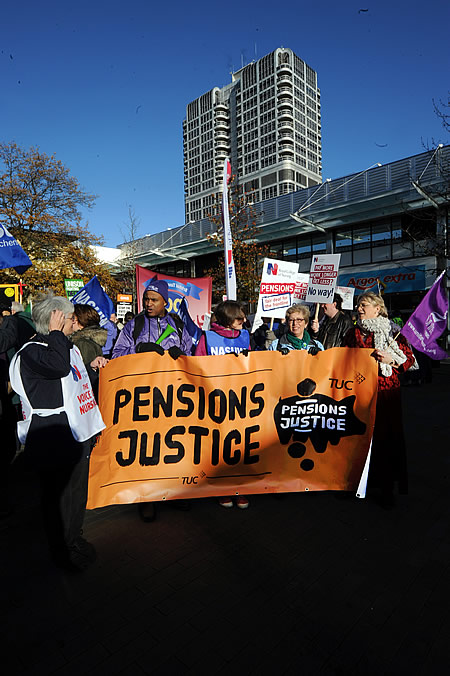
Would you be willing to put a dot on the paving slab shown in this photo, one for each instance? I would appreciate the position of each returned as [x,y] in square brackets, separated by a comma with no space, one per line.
[306,583]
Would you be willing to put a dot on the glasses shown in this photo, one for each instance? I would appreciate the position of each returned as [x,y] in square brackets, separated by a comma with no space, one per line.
[292,321]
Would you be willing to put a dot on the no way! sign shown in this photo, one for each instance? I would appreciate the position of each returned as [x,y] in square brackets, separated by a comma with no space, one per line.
[322,278]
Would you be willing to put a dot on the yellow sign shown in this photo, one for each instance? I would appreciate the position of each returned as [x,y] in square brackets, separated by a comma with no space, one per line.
[10,291]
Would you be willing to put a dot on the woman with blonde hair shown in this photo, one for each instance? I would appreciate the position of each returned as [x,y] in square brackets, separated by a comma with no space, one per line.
[394,356]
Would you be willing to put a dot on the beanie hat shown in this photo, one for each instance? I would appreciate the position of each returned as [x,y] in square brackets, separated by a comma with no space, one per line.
[160,286]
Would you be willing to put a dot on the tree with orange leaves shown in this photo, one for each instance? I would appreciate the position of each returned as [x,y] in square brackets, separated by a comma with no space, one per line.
[40,204]
[248,253]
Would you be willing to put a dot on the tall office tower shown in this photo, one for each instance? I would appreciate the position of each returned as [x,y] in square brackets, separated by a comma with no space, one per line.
[267,120]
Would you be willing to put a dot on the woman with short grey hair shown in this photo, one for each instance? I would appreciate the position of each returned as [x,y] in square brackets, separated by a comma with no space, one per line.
[43,308]
[60,422]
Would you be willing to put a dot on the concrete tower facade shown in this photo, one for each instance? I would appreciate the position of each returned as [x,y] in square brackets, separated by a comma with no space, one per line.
[267,120]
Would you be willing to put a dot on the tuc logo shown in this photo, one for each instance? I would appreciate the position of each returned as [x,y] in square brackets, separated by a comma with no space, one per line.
[319,418]
[272,268]
[340,384]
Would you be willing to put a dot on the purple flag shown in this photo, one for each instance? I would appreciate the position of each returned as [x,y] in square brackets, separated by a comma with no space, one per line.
[428,321]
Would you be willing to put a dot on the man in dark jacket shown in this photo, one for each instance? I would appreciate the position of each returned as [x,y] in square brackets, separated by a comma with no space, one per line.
[15,330]
[334,326]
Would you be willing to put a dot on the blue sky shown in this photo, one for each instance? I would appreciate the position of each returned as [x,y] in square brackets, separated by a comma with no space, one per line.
[104,86]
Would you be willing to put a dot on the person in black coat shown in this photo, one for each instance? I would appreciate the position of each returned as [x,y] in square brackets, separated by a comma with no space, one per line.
[49,375]
[334,326]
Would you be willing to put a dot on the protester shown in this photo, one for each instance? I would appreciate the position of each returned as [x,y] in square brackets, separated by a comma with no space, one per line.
[263,336]
[128,317]
[60,421]
[334,326]
[89,337]
[112,333]
[154,326]
[154,330]
[394,356]
[226,336]
[296,337]
[15,330]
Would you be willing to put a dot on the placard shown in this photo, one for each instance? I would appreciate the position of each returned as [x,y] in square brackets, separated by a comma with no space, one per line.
[322,278]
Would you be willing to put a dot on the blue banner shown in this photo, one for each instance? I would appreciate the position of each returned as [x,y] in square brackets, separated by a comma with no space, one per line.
[11,253]
[392,280]
[93,294]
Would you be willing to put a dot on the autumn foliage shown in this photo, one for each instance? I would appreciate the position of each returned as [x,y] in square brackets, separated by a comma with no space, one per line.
[40,204]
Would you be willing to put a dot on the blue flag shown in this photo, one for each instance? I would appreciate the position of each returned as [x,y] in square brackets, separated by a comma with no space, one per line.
[93,294]
[191,327]
[11,253]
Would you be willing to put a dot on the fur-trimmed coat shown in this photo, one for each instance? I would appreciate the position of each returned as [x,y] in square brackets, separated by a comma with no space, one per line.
[90,342]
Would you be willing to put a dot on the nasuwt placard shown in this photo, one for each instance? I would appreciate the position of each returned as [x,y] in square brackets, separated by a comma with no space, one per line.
[211,426]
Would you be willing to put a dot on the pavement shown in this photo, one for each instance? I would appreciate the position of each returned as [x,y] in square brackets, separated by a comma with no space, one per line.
[298,584]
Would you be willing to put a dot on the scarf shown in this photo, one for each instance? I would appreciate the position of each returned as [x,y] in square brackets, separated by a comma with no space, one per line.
[299,343]
[383,338]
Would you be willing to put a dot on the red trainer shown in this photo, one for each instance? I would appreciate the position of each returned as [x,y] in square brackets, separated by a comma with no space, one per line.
[242,502]
[226,502]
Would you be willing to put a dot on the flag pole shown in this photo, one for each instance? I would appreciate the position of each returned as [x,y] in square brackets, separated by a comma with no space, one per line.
[230,272]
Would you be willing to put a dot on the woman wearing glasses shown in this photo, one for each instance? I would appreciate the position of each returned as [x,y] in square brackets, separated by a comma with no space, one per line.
[394,356]
[226,336]
[296,336]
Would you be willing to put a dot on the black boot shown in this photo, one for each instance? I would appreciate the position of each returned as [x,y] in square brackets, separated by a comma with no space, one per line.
[147,511]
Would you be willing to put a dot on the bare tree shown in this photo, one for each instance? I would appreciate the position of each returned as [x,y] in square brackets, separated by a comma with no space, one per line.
[442,110]
[130,234]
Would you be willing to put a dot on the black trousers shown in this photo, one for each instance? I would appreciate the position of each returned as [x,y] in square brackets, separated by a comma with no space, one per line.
[63,500]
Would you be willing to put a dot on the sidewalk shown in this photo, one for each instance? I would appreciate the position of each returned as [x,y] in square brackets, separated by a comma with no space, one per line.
[302,584]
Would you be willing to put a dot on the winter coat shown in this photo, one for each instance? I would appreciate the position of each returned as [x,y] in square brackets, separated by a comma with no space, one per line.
[332,330]
[152,329]
[50,441]
[90,341]
[15,330]
[284,343]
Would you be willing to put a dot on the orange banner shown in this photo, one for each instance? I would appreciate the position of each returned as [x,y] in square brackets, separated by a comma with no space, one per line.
[212,426]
